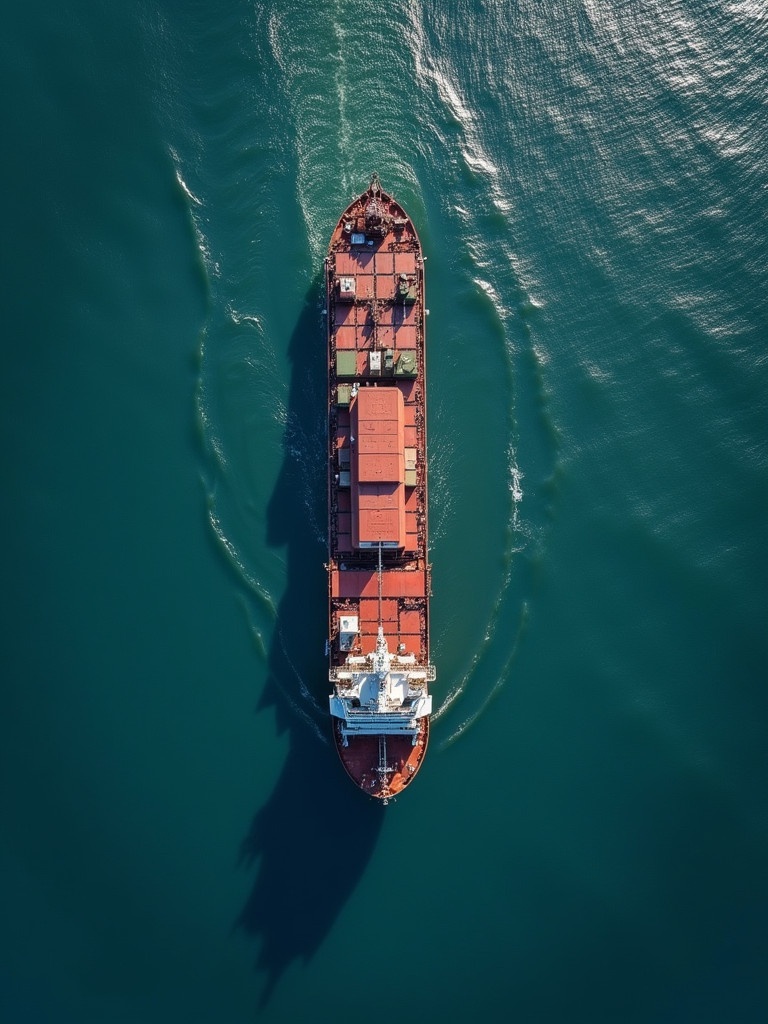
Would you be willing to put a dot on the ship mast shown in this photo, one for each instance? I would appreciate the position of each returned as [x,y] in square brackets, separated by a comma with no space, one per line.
[381,661]
[381,665]
[380,583]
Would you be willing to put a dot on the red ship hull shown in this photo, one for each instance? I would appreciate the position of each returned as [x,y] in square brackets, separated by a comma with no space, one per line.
[378,573]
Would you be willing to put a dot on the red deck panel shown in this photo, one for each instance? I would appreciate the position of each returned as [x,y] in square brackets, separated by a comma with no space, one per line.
[410,416]
[411,502]
[412,641]
[344,264]
[386,425]
[352,262]
[389,609]
[384,263]
[386,286]
[410,437]
[413,646]
[363,259]
[379,468]
[346,336]
[410,621]
[379,496]
[344,542]
[369,611]
[408,389]
[377,423]
[344,313]
[368,643]
[385,336]
[405,336]
[405,263]
[355,583]
[375,427]
[378,403]
[364,288]
[404,584]
[380,524]
[377,444]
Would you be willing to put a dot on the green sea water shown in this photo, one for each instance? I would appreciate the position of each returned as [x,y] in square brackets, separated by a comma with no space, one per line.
[588,838]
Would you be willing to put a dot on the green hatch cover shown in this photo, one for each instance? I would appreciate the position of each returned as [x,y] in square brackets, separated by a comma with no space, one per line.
[346,362]
[406,364]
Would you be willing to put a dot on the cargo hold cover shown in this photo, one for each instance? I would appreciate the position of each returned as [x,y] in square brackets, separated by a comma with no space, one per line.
[378,468]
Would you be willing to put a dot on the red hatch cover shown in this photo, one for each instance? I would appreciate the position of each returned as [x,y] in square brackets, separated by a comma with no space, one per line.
[378,468]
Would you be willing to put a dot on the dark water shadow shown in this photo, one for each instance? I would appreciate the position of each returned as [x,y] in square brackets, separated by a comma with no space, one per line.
[311,841]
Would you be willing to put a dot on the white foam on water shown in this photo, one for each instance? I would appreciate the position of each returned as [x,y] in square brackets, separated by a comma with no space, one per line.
[515,480]
[180,179]
[255,585]
[499,682]
[273,33]
[195,207]
[748,10]
[246,318]
[433,70]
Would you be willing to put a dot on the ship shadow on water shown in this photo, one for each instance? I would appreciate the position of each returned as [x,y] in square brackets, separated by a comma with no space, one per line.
[309,844]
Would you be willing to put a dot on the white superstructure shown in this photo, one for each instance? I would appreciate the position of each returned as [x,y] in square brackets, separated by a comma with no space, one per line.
[381,693]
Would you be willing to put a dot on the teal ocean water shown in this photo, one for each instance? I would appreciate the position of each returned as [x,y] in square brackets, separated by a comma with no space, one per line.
[588,839]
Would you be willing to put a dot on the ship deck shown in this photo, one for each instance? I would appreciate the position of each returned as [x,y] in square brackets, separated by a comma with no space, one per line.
[377,485]
[402,759]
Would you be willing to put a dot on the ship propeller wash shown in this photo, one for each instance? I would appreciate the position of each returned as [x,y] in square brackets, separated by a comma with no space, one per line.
[378,573]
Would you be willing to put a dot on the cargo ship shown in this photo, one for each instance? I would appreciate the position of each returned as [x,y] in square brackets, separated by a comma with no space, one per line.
[378,569]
